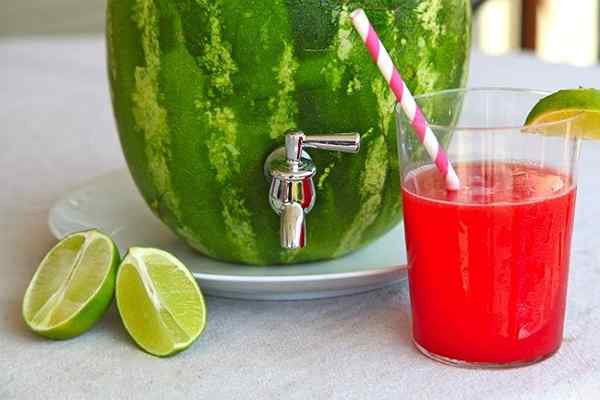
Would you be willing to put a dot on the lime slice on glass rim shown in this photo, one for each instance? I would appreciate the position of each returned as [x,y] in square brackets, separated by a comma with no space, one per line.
[565,104]
[159,301]
[73,285]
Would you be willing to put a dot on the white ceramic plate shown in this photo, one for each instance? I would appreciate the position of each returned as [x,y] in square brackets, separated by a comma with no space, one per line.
[111,203]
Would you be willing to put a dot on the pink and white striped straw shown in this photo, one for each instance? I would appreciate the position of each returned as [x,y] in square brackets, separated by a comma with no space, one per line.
[382,58]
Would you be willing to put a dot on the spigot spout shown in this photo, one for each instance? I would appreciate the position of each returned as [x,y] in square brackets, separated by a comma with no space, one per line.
[292,226]
[291,170]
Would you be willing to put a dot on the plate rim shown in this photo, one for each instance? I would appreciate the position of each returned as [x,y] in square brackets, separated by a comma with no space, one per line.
[300,278]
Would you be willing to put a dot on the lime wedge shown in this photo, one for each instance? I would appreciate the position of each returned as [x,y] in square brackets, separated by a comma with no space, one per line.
[73,285]
[159,301]
[565,104]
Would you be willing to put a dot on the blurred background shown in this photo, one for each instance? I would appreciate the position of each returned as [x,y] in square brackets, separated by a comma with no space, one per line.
[561,31]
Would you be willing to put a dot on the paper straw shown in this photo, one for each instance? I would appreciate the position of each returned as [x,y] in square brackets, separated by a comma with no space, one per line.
[414,114]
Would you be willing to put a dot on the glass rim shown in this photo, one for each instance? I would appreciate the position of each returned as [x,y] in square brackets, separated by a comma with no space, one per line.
[542,93]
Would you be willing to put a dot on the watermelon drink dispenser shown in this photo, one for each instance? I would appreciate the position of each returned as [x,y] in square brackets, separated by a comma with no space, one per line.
[292,191]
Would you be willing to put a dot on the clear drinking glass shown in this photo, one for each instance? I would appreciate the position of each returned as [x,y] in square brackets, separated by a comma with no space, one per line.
[488,265]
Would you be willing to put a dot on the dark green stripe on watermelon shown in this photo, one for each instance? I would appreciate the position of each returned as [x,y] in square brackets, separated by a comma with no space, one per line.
[204,90]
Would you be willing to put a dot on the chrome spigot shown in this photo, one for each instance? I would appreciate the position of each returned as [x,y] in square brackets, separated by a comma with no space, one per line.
[291,170]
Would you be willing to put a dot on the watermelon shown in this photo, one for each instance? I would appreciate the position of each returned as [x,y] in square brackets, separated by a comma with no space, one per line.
[204,90]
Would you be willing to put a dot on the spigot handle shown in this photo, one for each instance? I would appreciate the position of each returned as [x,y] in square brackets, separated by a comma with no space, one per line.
[296,141]
[292,228]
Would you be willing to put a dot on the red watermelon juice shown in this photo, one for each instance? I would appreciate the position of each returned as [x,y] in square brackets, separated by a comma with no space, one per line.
[488,264]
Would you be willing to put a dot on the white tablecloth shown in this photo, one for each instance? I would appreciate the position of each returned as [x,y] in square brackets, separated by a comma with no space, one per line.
[57,131]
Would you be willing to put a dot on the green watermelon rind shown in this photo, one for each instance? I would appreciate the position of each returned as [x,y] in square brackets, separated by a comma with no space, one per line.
[204,90]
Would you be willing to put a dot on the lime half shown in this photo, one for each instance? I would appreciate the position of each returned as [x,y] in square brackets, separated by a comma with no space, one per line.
[159,301]
[73,285]
[565,104]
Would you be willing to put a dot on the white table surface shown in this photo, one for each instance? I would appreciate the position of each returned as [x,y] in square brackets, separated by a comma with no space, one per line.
[56,131]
